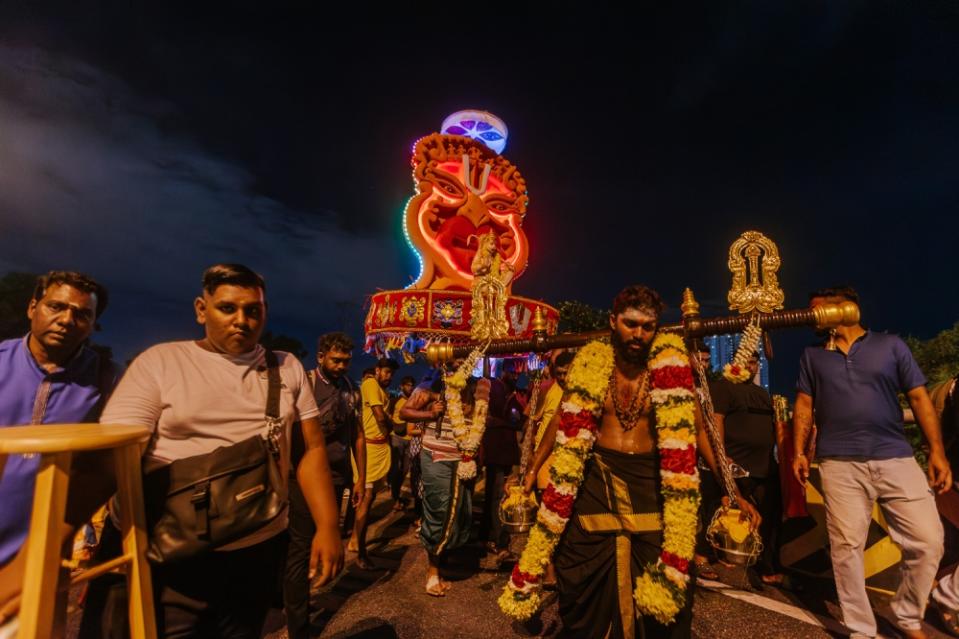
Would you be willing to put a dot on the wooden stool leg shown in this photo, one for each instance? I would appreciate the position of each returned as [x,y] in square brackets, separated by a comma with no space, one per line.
[133,530]
[43,546]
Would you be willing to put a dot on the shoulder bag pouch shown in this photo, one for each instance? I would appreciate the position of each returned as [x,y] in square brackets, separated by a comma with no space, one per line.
[200,503]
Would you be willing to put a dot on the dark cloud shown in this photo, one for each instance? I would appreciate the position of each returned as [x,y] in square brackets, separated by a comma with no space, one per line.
[89,182]
[146,143]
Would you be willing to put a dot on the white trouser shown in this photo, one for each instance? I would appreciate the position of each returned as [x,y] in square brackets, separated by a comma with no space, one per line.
[850,489]
[947,592]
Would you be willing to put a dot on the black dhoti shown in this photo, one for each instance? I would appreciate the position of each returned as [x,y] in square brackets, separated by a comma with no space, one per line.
[614,532]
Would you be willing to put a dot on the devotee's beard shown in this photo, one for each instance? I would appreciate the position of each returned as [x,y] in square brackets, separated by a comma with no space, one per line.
[627,354]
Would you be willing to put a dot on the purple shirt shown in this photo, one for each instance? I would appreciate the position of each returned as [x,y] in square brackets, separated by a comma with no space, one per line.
[855,396]
[30,395]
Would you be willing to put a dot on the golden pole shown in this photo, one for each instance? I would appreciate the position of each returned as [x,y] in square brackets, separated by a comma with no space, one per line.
[825,316]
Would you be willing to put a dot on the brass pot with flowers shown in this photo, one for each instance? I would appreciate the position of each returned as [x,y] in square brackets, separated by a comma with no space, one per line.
[729,533]
[517,511]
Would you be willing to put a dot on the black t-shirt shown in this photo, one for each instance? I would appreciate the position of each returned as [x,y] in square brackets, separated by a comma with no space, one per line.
[338,419]
[750,431]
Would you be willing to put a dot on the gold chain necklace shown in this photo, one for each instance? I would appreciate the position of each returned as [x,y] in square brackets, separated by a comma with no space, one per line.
[638,404]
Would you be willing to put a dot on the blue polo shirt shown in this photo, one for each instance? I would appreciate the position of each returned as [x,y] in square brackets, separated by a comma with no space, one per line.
[855,398]
[30,395]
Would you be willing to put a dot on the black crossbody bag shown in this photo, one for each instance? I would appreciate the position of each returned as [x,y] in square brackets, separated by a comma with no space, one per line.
[200,503]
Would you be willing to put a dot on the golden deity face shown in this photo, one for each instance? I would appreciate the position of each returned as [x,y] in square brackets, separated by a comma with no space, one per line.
[464,191]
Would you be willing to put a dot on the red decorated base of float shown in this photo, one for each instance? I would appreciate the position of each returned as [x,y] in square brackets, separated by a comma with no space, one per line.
[442,315]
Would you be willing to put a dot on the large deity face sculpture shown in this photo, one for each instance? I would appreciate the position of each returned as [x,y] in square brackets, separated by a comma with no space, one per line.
[464,190]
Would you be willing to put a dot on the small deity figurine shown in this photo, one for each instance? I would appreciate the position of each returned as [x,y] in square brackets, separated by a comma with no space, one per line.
[491,278]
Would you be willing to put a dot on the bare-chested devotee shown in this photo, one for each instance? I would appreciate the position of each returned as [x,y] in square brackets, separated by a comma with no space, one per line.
[615,530]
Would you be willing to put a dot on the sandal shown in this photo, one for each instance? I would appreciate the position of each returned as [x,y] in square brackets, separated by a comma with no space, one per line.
[705,571]
[948,617]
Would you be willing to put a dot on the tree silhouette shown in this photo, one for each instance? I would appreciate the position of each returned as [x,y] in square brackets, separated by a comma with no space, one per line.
[283,343]
[938,356]
[15,292]
[578,317]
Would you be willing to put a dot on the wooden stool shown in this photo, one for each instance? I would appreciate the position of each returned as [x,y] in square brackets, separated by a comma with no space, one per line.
[56,444]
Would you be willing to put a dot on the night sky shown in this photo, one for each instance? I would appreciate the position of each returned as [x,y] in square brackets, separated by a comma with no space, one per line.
[144,145]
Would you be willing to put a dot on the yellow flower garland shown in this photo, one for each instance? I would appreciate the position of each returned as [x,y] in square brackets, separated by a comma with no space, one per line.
[661,589]
[586,389]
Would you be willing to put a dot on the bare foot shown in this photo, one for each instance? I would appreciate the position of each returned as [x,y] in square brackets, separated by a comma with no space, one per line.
[948,617]
[918,633]
[434,587]
[705,570]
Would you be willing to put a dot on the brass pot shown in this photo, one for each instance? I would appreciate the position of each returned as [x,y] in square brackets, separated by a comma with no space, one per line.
[517,511]
[726,534]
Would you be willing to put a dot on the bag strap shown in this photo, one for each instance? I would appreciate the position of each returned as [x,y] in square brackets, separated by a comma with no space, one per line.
[273,390]
[273,424]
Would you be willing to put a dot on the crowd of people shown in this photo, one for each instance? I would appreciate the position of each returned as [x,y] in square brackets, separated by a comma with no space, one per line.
[325,439]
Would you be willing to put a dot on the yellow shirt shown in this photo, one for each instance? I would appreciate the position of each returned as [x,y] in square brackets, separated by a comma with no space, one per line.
[377,442]
[396,415]
[550,405]
[373,395]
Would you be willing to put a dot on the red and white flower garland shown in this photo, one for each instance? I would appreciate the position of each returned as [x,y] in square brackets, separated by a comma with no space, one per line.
[661,590]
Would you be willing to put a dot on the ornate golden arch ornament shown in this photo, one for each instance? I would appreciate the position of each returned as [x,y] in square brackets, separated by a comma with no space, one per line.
[754,261]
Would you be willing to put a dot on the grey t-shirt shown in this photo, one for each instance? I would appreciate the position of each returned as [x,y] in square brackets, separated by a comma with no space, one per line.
[196,401]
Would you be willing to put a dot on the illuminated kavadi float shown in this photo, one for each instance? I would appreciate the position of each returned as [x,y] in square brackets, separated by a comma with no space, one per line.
[465,225]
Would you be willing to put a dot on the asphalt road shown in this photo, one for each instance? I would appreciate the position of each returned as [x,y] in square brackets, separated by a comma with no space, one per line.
[391,602]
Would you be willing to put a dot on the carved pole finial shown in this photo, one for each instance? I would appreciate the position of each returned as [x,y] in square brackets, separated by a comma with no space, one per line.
[539,321]
[689,307]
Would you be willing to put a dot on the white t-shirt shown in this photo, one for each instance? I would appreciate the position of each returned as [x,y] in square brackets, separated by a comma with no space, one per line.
[196,401]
